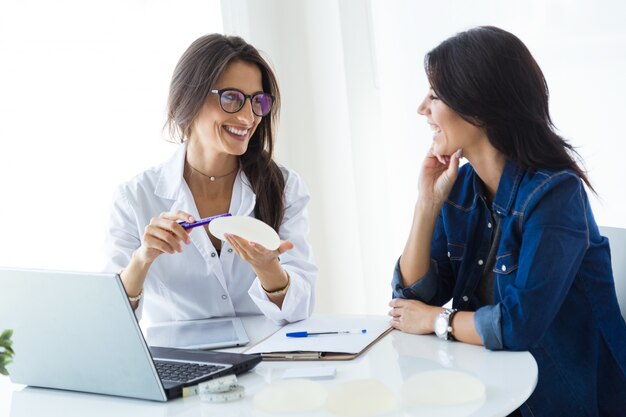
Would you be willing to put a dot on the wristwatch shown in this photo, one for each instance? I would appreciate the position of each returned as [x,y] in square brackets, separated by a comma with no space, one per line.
[443,324]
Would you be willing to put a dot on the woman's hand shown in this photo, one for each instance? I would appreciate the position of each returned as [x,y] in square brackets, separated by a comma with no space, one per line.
[163,235]
[259,257]
[437,176]
[412,316]
[264,262]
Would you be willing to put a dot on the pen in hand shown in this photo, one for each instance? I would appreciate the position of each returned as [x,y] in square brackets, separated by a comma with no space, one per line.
[187,225]
[307,334]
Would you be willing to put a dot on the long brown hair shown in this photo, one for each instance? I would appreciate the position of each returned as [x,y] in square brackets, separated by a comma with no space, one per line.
[490,79]
[197,70]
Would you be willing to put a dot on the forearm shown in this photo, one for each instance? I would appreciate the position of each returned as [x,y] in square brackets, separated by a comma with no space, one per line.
[463,328]
[134,276]
[415,260]
[273,278]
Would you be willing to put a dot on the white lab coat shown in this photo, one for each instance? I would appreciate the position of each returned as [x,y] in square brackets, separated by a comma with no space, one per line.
[198,283]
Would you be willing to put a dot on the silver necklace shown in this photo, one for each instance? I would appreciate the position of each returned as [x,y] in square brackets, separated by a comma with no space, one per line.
[213,177]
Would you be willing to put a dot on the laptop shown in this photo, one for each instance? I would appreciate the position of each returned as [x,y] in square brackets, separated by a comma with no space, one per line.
[77,331]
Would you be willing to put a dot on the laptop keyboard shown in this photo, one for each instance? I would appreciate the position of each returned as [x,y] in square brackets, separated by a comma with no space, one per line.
[184,371]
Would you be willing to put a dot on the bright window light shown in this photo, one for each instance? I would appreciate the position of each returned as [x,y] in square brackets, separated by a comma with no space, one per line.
[83,91]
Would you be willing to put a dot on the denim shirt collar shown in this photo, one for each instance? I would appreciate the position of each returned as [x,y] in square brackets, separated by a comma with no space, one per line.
[507,189]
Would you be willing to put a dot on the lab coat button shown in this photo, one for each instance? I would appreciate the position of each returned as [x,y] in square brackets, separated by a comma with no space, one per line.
[213,254]
[224,296]
[230,250]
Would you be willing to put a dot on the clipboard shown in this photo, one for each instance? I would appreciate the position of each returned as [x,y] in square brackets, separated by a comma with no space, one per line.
[338,347]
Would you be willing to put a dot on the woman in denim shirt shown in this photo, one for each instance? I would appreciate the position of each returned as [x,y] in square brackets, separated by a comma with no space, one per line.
[510,236]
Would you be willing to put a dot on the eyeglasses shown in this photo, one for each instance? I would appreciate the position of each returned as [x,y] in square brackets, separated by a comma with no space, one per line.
[232,100]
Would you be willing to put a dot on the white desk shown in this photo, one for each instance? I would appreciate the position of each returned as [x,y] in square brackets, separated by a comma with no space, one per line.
[510,378]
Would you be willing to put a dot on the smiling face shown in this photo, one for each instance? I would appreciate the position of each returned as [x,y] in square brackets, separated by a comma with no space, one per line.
[229,133]
[450,131]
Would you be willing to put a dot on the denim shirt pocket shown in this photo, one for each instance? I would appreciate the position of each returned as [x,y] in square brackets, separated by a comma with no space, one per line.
[456,251]
[505,269]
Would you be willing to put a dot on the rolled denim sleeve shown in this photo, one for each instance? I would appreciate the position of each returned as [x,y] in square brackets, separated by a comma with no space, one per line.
[424,289]
[488,321]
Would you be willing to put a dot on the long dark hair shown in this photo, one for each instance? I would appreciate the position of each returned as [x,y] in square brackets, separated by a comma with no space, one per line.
[489,77]
[198,69]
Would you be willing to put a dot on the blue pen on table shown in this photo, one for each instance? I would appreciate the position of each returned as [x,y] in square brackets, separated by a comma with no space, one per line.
[189,225]
[307,334]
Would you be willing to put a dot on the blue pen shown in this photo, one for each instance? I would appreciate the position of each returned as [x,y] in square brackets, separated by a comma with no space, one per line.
[201,222]
[307,334]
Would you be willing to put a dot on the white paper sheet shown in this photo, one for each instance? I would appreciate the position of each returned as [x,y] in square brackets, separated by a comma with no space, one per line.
[342,343]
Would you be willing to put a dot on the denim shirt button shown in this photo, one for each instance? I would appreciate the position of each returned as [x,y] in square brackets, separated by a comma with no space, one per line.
[489,225]
[480,262]
[448,254]
[465,298]
[503,268]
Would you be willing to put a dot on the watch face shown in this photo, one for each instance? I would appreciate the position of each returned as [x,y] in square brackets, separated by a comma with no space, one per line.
[441,326]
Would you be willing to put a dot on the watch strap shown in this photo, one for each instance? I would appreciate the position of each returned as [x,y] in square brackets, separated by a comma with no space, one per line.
[449,333]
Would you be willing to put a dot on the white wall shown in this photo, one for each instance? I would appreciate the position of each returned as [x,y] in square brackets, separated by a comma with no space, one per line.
[83,90]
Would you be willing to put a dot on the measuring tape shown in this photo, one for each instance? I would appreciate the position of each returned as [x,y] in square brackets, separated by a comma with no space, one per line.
[221,390]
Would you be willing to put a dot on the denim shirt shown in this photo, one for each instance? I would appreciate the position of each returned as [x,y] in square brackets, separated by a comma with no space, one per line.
[554,292]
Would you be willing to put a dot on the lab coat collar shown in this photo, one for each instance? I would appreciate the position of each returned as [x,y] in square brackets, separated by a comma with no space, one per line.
[170,181]
[171,185]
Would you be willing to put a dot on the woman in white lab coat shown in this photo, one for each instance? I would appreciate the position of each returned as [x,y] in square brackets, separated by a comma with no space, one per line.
[223,107]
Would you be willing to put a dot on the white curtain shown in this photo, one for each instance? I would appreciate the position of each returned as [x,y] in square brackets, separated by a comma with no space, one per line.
[351,77]
[330,133]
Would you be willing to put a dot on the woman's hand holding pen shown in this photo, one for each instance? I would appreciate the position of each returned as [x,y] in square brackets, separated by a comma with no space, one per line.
[437,176]
[163,235]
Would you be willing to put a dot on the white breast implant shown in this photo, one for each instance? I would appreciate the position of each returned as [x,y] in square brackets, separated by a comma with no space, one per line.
[249,228]
[442,387]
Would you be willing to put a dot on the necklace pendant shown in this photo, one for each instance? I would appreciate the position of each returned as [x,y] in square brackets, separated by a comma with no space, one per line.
[212,178]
